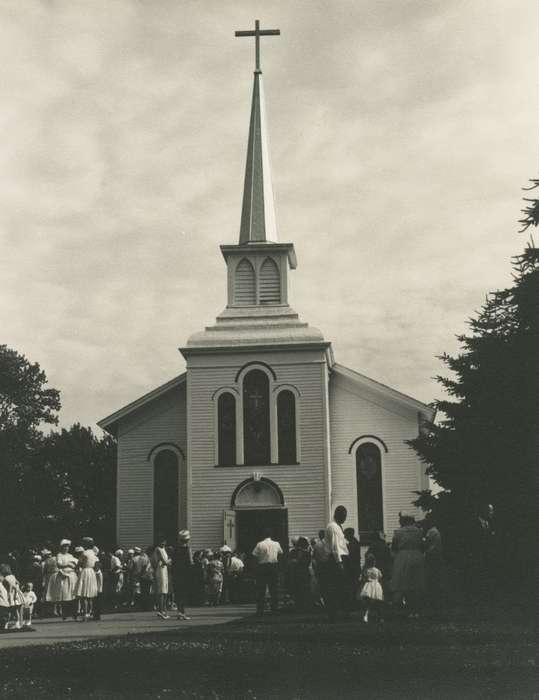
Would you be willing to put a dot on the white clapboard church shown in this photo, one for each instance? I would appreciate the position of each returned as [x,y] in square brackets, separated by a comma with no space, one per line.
[263,428]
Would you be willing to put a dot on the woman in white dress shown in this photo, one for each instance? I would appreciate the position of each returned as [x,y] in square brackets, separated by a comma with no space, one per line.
[86,588]
[62,583]
[160,563]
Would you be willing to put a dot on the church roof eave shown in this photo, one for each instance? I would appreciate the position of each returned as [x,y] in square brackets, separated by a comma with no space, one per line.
[110,423]
[377,388]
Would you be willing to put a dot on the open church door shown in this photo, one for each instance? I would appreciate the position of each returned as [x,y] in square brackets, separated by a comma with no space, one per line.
[229,529]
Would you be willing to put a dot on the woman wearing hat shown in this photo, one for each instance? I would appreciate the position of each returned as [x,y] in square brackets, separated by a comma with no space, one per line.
[160,563]
[61,587]
[408,578]
[50,568]
[182,566]
[86,588]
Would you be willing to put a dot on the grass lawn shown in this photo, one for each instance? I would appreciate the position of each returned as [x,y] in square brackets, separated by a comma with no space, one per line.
[479,654]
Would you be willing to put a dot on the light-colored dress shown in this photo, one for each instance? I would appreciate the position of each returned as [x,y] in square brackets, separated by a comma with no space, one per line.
[15,595]
[372,588]
[409,565]
[160,561]
[62,583]
[87,584]
[49,569]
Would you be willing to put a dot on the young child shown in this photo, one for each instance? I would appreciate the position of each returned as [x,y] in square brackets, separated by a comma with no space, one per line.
[30,599]
[15,598]
[4,603]
[371,595]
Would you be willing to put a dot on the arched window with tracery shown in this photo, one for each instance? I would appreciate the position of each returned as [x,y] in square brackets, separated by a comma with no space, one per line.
[165,496]
[226,428]
[245,284]
[369,488]
[286,427]
[256,418]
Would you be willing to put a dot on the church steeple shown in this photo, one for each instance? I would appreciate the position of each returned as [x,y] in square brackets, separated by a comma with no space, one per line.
[257,312]
[258,208]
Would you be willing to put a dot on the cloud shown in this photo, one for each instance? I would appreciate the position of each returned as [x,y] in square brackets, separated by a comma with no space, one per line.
[401,134]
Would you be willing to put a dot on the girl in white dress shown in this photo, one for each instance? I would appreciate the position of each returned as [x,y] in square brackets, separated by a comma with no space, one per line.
[61,587]
[160,563]
[14,596]
[86,588]
[372,594]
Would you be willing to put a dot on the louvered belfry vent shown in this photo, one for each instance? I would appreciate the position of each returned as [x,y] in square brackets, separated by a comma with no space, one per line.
[270,283]
[245,285]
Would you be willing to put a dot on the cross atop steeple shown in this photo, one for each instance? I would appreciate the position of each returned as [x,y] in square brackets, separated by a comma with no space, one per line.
[257,33]
[258,209]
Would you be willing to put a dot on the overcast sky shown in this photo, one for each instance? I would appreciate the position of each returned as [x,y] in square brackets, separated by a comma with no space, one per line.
[401,133]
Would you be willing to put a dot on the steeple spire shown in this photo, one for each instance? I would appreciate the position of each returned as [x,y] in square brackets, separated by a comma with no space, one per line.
[258,208]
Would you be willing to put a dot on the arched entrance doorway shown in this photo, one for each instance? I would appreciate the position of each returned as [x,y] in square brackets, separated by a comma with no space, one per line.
[259,506]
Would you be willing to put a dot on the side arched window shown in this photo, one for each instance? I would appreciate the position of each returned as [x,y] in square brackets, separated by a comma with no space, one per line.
[226,422]
[369,488]
[245,284]
[286,427]
[256,418]
[165,496]
[270,283]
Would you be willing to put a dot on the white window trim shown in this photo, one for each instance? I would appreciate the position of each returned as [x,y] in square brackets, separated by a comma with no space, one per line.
[276,391]
[382,448]
[226,390]
[156,451]
[272,413]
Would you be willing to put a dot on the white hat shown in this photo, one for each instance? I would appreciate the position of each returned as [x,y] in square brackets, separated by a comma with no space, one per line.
[79,549]
[138,550]
[225,549]
[119,552]
[37,557]
[130,551]
[63,543]
[184,535]
[46,552]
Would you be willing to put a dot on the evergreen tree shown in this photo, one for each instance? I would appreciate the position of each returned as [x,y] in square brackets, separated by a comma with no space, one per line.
[485,450]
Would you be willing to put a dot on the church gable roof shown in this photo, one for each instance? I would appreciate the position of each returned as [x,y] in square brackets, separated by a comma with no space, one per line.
[380,393]
[110,423]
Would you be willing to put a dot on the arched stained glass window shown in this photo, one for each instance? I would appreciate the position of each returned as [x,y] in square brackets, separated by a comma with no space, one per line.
[165,496]
[244,284]
[226,420]
[286,427]
[270,283]
[369,489]
[256,418]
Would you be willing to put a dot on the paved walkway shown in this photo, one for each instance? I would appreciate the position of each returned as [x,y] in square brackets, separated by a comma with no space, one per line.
[53,631]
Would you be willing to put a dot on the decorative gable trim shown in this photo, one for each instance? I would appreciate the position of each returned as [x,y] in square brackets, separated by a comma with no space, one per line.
[110,423]
[380,393]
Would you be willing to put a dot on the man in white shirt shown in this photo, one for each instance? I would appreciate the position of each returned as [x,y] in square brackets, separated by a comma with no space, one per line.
[337,594]
[267,553]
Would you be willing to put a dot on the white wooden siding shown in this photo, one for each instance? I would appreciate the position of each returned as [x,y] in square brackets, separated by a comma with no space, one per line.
[303,485]
[161,421]
[352,415]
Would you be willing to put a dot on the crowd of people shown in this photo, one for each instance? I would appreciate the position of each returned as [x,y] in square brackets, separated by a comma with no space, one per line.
[332,572]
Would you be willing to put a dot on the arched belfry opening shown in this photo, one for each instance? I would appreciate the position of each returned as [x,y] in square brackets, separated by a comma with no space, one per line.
[245,284]
[269,283]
